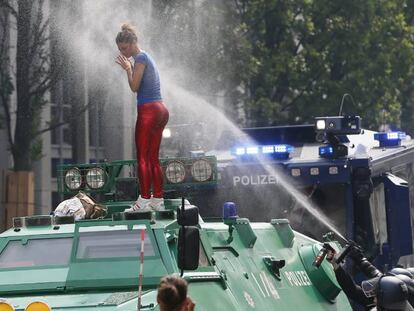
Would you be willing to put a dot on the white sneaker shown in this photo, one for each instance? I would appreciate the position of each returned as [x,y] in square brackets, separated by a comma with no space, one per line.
[141,205]
[157,204]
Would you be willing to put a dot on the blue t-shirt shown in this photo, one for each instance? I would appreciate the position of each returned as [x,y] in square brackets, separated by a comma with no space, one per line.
[149,89]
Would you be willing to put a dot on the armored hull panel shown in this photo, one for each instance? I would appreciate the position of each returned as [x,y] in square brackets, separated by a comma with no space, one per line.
[94,265]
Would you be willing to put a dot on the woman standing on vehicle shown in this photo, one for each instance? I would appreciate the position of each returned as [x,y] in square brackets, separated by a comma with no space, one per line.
[143,79]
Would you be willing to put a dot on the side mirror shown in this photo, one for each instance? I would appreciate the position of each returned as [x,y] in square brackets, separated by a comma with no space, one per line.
[188,248]
[188,217]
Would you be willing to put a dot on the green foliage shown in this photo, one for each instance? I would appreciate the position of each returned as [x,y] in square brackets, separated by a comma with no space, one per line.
[287,61]
[36,149]
[306,54]
[6,82]
[205,39]
[33,76]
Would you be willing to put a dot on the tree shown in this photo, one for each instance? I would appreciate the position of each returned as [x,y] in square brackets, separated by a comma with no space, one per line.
[407,91]
[33,76]
[204,39]
[285,62]
[306,54]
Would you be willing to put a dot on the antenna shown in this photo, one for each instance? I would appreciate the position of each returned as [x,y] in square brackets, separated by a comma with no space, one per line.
[183,228]
[342,102]
[141,269]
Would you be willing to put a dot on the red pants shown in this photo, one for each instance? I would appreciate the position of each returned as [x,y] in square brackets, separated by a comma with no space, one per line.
[151,120]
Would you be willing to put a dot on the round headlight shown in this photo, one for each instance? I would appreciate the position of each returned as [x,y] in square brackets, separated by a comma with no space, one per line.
[175,172]
[201,170]
[73,179]
[38,306]
[4,306]
[95,178]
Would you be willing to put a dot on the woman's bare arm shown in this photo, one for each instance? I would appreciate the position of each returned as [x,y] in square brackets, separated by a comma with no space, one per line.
[134,74]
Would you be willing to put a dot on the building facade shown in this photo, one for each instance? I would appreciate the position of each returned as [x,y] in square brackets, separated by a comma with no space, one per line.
[88,100]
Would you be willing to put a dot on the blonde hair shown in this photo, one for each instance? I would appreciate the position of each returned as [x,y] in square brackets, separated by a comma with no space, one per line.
[128,34]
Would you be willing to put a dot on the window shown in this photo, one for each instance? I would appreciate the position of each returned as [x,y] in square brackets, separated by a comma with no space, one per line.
[112,244]
[378,214]
[64,129]
[55,162]
[36,253]
[67,136]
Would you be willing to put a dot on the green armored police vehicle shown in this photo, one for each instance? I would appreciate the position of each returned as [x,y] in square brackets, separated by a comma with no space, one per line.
[58,263]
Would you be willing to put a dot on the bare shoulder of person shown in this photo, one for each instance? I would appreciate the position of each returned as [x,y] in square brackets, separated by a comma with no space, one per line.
[190,305]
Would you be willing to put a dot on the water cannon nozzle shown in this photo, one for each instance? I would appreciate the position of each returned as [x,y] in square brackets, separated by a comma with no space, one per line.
[349,246]
[322,254]
[328,237]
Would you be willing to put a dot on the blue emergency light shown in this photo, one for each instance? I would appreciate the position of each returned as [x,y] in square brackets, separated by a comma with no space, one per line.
[281,151]
[390,139]
[325,151]
[333,151]
[229,211]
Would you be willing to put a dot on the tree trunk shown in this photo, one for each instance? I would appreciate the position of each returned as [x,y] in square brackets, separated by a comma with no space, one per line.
[76,81]
[20,195]
[24,113]
[2,200]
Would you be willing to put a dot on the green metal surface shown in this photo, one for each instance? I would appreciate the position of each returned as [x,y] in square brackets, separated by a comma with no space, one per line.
[285,232]
[261,266]
[233,276]
[323,277]
[247,235]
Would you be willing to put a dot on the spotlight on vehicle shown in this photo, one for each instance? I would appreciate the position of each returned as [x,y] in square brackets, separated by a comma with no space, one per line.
[175,172]
[329,130]
[201,170]
[166,133]
[73,179]
[320,125]
[341,125]
[96,178]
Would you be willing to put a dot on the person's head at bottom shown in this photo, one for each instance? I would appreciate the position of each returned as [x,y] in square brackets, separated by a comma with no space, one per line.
[392,294]
[172,294]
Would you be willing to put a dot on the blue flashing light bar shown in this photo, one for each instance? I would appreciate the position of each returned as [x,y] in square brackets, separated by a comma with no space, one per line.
[390,139]
[279,151]
[282,149]
[268,149]
[240,151]
[252,150]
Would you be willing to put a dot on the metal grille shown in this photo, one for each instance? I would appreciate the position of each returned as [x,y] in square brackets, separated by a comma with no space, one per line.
[201,170]
[175,172]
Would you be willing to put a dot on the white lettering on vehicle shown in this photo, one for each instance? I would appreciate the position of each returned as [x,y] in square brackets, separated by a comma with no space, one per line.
[266,286]
[269,284]
[246,180]
[298,278]
[258,285]
[249,299]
